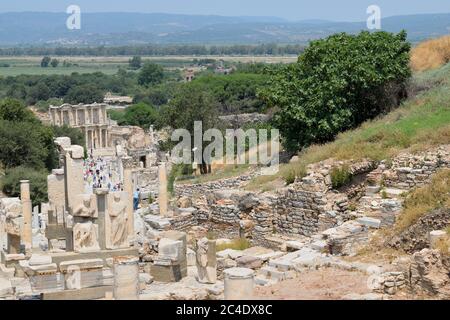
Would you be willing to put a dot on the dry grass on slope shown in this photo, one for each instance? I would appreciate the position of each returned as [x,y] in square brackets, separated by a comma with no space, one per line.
[425,199]
[431,54]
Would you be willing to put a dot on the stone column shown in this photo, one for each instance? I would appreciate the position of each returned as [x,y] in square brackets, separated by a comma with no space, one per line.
[239,283]
[87,141]
[106,138]
[27,234]
[101,207]
[100,138]
[127,163]
[86,116]
[162,197]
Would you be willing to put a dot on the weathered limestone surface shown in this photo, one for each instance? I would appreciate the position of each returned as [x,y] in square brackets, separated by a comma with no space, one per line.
[116,221]
[206,261]
[429,273]
[85,237]
[416,237]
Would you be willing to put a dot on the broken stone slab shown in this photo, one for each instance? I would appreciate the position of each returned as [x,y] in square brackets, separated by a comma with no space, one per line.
[157,222]
[271,255]
[38,270]
[393,192]
[249,262]
[276,275]
[293,245]
[145,278]
[229,254]
[308,258]
[390,205]
[216,289]
[172,249]
[263,281]
[369,222]
[256,251]
[39,260]
[14,257]
[77,151]
[284,263]
[319,245]
[80,264]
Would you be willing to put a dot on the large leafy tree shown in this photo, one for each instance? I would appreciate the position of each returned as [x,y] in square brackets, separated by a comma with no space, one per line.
[84,94]
[150,73]
[141,114]
[24,141]
[10,183]
[189,105]
[338,83]
[135,62]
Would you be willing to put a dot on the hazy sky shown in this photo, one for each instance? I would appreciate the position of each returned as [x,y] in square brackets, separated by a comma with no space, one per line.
[342,10]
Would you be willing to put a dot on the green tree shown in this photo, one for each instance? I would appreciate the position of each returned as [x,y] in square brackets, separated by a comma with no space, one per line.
[10,183]
[76,136]
[84,94]
[22,143]
[45,61]
[15,111]
[141,114]
[338,83]
[38,92]
[24,140]
[189,105]
[150,73]
[54,63]
[17,91]
[135,62]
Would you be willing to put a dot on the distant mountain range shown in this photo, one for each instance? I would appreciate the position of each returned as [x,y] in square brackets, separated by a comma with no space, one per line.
[113,29]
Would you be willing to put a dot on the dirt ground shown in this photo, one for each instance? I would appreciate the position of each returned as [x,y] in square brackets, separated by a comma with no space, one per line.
[324,284]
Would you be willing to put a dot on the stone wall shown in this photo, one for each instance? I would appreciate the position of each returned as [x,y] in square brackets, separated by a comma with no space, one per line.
[189,190]
[309,205]
[416,237]
[410,170]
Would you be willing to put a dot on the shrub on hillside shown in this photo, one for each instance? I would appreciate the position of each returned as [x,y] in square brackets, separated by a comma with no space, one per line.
[337,84]
[340,176]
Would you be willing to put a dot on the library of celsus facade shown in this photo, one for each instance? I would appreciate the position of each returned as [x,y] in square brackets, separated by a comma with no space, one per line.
[92,119]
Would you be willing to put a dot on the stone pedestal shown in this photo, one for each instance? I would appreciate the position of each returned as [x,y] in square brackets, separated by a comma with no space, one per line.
[85,273]
[171,263]
[126,278]
[239,283]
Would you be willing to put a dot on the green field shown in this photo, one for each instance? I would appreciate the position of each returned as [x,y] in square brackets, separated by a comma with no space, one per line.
[110,65]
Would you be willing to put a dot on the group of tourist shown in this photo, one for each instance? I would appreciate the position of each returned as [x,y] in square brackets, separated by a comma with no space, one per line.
[98,174]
